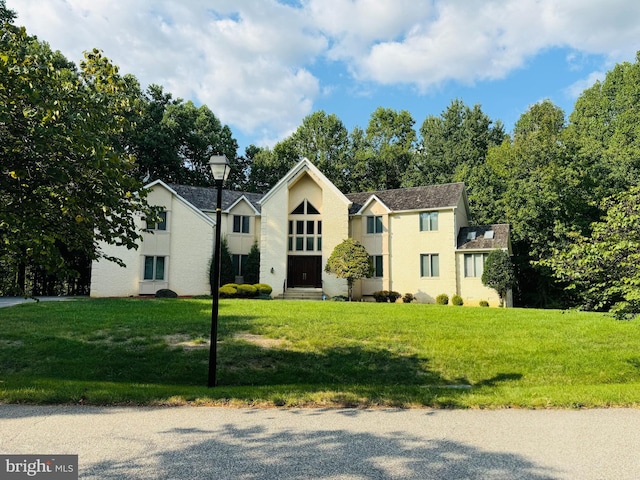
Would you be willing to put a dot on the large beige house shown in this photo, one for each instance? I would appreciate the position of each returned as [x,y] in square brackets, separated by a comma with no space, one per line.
[419,240]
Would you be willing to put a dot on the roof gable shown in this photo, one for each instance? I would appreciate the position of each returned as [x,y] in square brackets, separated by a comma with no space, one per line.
[430,197]
[204,198]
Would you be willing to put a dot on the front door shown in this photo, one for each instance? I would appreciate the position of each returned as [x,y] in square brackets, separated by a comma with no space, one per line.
[304,271]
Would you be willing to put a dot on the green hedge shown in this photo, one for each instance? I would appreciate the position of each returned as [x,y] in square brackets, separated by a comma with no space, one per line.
[245,290]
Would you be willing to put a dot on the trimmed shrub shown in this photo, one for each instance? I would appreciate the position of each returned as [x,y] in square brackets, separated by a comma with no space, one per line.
[394,296]
[231,285]
[484,303]
[442,299]
[247,291]
[227,292]
[408,298]
[457,300]
[263,289]
[381,296]
[166,293]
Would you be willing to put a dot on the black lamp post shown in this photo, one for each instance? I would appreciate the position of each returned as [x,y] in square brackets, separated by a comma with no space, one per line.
[220,169]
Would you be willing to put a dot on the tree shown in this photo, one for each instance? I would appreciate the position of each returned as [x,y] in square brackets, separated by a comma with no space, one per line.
[252,267]
[390,141]
[603,269]
[65,183]
[350,260]
[227,274]
[324,140]
[498,274]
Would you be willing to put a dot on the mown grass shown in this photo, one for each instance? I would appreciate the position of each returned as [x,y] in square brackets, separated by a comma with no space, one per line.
[154,352]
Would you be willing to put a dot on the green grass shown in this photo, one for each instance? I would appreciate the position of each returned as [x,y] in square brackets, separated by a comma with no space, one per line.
[155,352]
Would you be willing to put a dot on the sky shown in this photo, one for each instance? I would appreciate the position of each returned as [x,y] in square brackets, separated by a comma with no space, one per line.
[262,66]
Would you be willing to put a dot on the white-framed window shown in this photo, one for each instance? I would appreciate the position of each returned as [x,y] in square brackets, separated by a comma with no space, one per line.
[378,270]
[154,268]
[429,265]
[474,264]
[374,224]
[305,235]
[161,224]
[428,221]
[241,223]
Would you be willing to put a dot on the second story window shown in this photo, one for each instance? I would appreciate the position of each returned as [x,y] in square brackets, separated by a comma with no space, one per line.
[161,224]
[241,223]
[428,221]
[374,224]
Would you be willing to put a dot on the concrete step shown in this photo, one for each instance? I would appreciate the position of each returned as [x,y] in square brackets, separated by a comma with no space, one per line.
[302,294]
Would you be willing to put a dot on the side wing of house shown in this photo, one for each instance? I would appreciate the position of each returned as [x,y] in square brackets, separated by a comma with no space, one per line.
[241,228]
[175,253]
[474,246]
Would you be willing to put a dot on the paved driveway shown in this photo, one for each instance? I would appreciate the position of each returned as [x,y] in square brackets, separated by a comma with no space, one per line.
[281,444]
[10,301]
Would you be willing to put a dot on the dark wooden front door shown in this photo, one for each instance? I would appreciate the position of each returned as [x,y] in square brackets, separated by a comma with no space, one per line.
[304,271]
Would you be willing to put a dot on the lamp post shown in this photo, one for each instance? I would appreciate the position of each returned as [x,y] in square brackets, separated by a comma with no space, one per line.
[220,169]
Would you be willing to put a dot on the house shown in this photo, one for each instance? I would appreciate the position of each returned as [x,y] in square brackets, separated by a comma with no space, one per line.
[419,239]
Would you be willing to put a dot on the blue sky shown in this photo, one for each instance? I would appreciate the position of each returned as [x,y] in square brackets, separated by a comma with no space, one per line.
[263,65]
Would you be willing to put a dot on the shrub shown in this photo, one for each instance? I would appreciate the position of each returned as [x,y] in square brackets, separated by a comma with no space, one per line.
[340,298]
[263,289]
[231,285]
[166,293]
[442,299]
[393,296]
[247,291]
[408,298]
[457,300]
[381,296]
[227,292]
[484,303]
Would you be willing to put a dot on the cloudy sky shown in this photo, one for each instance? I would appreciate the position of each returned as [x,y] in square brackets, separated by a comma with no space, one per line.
[263,65]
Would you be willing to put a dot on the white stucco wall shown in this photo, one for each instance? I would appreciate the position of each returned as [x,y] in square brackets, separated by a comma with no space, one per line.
[108,279]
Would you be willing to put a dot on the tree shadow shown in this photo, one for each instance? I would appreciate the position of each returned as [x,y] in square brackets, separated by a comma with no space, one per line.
[254,453]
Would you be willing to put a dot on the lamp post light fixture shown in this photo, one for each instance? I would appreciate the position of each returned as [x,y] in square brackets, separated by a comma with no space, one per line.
[220,168]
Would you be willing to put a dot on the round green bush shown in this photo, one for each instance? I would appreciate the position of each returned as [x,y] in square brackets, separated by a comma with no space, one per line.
[484,303]
[231,285]
[442,299]
[247,291]
[263,288]
[227,292]
[457,300]
[381,296]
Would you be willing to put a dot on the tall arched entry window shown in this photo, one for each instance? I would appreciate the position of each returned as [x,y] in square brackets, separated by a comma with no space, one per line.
[305,246]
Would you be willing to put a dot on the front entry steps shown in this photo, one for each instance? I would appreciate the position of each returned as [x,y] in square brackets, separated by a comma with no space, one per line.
[301,293]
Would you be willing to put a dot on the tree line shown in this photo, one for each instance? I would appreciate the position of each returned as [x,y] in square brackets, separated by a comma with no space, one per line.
[78,143]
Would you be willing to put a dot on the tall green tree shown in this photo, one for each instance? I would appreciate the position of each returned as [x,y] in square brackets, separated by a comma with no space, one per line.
[604,131]
[499,274]
[64,185]
[390,144]
[174,141]
[324,140]
[603,269]
[350,260]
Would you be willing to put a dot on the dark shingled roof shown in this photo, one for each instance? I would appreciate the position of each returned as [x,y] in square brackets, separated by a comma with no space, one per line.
[481,242]
[414,198]
[204,198]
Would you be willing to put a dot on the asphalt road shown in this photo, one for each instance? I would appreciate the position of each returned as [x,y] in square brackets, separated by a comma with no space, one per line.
[11,301]
[279,444]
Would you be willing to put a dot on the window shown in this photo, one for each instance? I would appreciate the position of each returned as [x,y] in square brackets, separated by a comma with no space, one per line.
[429,265]
[154,268]
[162,223]
[428,221]
[474,264]
[241,223]
[374,224]
[305,208]
[376,260]
[239,264]
[305,235]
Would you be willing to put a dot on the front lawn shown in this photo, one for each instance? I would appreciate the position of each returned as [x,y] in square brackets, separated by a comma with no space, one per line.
[155,352]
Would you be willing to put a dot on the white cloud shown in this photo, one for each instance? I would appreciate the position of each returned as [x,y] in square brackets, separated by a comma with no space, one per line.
[250,61]
[577,88]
